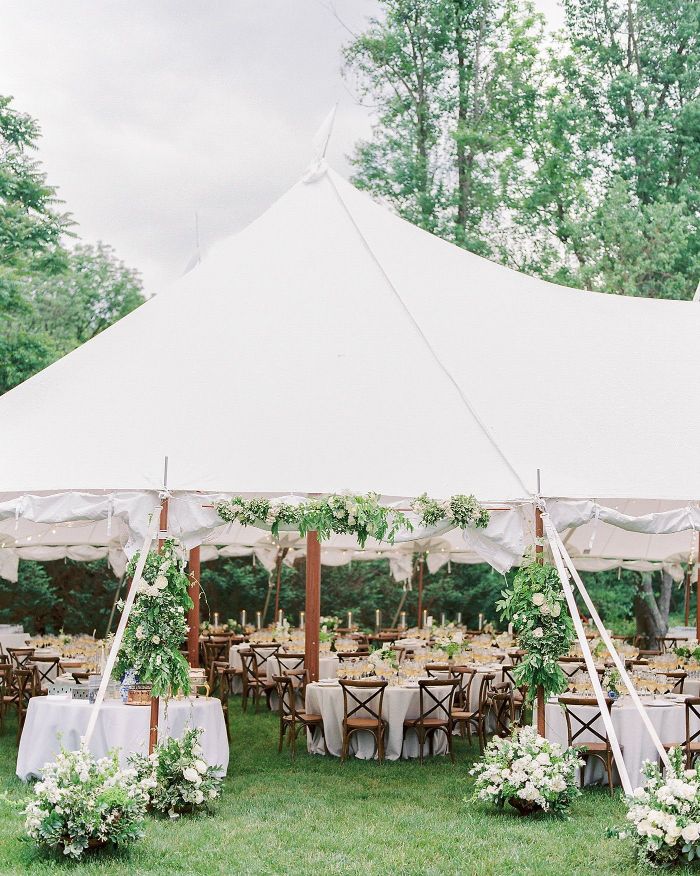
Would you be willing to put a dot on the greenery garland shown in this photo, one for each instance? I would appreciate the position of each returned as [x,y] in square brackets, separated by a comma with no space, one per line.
[535,605]
[157,625]
[362,516]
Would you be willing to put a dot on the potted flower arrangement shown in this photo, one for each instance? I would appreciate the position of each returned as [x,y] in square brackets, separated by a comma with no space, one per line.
[665,814]
[178,778]
[82,803]
[529,772]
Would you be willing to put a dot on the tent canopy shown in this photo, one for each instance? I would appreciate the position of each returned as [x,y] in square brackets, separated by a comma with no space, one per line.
[332,345]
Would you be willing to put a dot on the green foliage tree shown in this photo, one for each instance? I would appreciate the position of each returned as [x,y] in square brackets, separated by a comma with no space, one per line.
[52,298]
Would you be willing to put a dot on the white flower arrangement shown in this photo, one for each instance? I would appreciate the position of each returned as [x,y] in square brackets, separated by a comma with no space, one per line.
[82,803]
[527,771]
[463,511]
[665,813]
[178,778]
[450,642]
[282,631]
[383,659]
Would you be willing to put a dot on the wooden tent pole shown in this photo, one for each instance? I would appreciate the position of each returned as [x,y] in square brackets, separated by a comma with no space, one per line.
[155,702]
[697,591]
[312,624]
[193,613]
[281,554]
[539,557]
[420,591]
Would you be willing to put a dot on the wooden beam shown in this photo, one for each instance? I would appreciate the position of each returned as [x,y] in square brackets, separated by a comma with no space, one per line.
[539,556]
[420,591]
[155,703]
[697,592]
[312,625]
[193,613]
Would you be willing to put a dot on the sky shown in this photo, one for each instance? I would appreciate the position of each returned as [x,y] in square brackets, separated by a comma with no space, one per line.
[157,111]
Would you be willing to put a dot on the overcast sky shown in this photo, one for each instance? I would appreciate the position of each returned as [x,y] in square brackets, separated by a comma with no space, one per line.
[152,111]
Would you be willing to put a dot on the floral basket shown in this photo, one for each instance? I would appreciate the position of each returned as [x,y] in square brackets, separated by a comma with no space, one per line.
[529,772]
[664,814]
[83,804]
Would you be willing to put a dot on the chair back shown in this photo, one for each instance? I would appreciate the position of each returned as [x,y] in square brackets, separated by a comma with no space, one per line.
[286,695]
[437,670]
[19,656]
[44,667]
[584,718]
[263,653]
[299,679]
[678,676]
[692,721]
[465,677]
[571,667]
[250,673]
[503,706]
[363,699]
[436,699]
[287,662]
[215,652]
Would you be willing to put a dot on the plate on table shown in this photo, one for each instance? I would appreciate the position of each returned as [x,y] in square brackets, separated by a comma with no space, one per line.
[658,703]
[328,682]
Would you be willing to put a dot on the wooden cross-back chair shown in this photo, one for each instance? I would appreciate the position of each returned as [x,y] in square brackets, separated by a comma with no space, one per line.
[435,716]
[253,683]
[44,667]
[519,695]
[690,745]
[287,662]
[293,719]
[363,702]
[583,716]
[262,654]
[469,719]
[465,676]
[20,656]
[502,704]
[299,679]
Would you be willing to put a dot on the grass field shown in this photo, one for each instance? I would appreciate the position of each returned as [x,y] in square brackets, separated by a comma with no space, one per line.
[316,816]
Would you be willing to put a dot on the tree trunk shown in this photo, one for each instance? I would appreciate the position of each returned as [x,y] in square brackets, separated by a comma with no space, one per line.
[652,615]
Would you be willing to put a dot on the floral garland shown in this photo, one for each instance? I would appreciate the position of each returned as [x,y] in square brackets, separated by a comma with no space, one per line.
[536,607]
[177,777]
[527,771]
[362,515]
[83,803]
[463,511]
[157,625]
[665,813]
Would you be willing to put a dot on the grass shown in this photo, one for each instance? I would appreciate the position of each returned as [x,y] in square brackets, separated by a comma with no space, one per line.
[316,816]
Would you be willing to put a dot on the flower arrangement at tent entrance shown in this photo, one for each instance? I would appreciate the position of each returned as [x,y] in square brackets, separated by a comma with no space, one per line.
[157,624]
[536,606]
[343,514]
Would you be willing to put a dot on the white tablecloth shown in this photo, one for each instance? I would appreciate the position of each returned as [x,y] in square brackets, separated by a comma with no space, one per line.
[118,726]
[14,640]
[327,663]
[667,717]
[399,703]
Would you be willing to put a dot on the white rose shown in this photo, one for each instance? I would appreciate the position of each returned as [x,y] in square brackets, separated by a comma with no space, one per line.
[198,796]
[191,774]
[161,582]
[155,640]
[538,599]
[200,766]
[555,610]
[544,609]
[213,793]
[691,833]
[139,632]
[538,632]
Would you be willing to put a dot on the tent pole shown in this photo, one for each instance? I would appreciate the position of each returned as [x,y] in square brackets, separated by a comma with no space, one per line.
[697,591]
[686,599]
[155,702]
[281,554]
[420,591]
[539,557]
[193,613]
[312,624]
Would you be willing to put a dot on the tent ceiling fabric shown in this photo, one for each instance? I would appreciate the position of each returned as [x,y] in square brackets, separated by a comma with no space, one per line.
[331,345]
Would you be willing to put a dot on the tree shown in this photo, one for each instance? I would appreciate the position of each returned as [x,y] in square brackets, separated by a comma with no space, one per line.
[52,298]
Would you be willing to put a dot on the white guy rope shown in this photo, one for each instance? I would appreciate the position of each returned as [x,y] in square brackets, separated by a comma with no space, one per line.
[619,663]
[427,343]
[587,656]
[119,635]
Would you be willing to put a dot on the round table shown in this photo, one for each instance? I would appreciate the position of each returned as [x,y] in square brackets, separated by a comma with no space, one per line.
[55,721]
[400,702]
[327,664]
[667,716]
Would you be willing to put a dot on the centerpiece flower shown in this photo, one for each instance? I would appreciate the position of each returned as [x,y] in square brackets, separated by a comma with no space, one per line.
[450,642]
[82,803]
[529,772]
[382,659]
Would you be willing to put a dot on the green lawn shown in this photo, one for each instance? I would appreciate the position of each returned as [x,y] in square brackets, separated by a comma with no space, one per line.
[316,816]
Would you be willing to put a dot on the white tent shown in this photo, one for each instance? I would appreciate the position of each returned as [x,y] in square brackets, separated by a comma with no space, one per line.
[332,345]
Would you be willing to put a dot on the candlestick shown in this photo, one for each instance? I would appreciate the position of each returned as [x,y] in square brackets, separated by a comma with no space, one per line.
[302,619]
[429,620]
[403,620]
[459,618]
[424,619]
[280,616]
[481,621]
[258,620]
[216,618]
[510,629]
[243,618]
[378,620]
[349,620]
[442,618]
